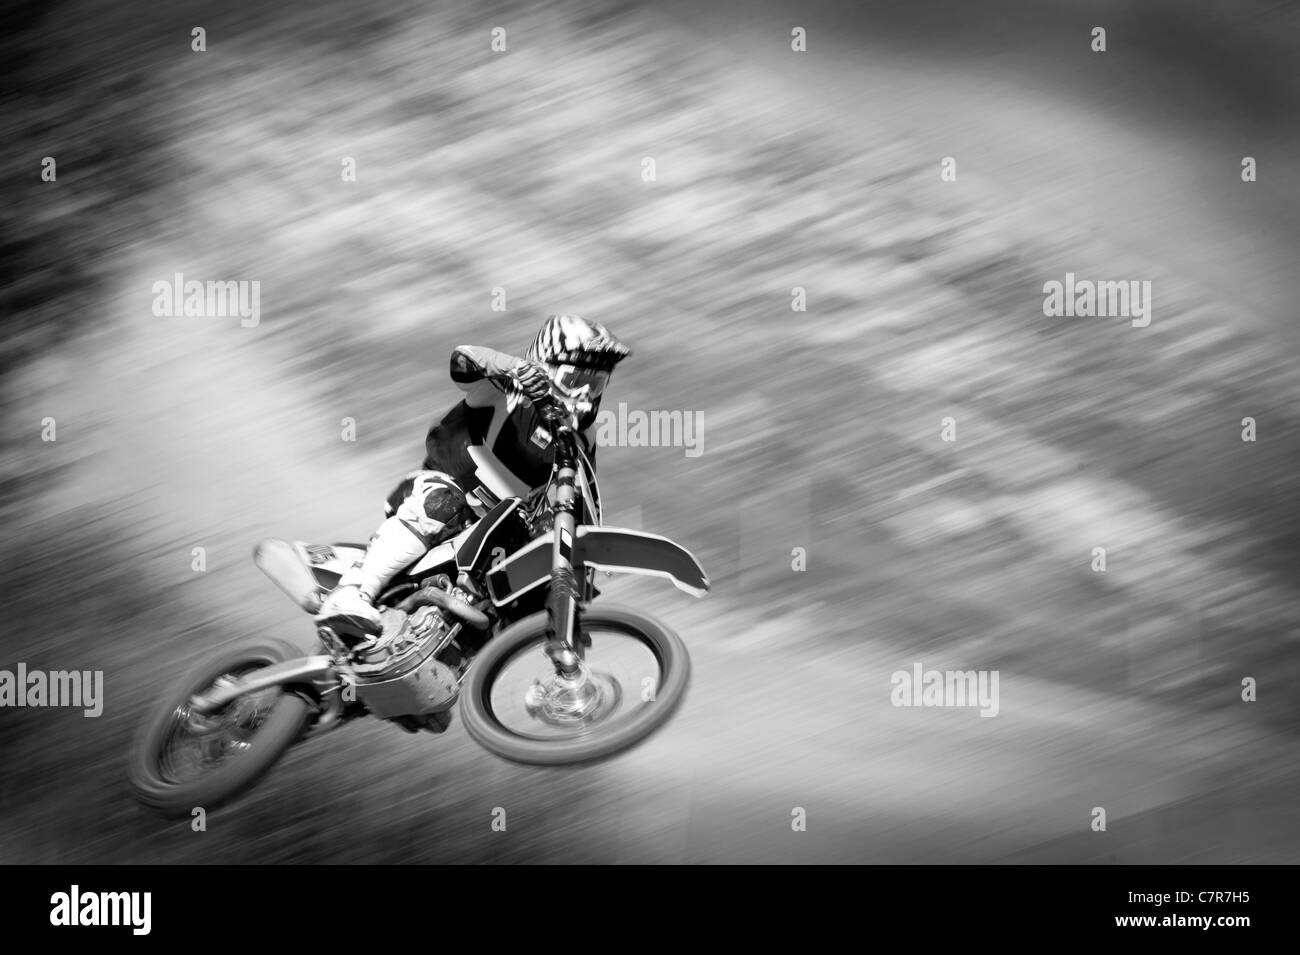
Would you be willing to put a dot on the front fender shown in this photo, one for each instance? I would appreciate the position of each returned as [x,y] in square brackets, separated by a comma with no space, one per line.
[636,552]
[616,549]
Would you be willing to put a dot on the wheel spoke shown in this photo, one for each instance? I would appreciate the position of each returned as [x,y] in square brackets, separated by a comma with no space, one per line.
[530,700]
[197,744]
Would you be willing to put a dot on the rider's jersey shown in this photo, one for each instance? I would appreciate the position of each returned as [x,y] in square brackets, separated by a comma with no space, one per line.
[495,440]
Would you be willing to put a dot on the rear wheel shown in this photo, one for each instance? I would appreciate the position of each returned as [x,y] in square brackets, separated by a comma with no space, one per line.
[183,760]
[634,674]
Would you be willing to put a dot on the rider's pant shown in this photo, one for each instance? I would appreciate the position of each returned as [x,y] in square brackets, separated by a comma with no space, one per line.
[425,509]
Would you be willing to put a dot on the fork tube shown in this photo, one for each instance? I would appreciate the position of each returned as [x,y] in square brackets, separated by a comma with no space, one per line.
[562,605]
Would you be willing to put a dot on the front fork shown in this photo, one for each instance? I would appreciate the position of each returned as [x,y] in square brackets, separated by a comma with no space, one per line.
[563,625]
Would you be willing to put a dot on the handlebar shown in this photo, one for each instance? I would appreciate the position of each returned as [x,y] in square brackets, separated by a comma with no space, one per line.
[560,414]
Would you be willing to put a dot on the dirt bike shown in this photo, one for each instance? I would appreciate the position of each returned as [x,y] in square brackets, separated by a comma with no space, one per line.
[499,618]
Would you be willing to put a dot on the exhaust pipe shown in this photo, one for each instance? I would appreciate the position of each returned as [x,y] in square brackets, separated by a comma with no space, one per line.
[444,601]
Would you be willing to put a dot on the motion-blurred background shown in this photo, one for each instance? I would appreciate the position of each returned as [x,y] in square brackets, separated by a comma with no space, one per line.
[523,170]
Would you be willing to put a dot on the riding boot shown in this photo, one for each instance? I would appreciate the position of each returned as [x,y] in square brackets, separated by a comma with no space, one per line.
[393,547]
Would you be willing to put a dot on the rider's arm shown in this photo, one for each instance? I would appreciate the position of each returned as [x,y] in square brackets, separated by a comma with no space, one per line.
[481,373]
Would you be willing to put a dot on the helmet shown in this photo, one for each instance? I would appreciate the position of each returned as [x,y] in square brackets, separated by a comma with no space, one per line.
[573,340]
[579,353]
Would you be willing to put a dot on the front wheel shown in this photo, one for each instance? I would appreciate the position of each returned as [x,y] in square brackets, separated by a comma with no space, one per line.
[634,674]
[183,760]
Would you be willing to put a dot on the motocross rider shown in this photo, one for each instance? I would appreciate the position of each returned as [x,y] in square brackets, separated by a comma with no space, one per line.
[493,444]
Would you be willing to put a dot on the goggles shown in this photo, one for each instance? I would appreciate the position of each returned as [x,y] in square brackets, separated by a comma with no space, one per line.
[575,382]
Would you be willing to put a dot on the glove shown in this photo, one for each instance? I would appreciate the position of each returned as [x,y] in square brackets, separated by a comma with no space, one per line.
[533,380]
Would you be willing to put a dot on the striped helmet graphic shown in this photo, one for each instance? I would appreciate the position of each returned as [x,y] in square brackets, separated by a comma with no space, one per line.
[574,340]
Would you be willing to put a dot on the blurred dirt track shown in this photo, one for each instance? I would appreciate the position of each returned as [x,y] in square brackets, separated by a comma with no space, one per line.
[821,430]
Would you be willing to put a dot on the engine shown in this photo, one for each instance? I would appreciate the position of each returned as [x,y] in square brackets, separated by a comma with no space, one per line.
[414,668]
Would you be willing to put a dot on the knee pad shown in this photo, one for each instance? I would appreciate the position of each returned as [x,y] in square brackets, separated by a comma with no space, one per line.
[434,508]
[399,494]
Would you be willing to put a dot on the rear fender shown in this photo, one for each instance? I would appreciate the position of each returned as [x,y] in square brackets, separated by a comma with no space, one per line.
[291,568]
[307,572]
